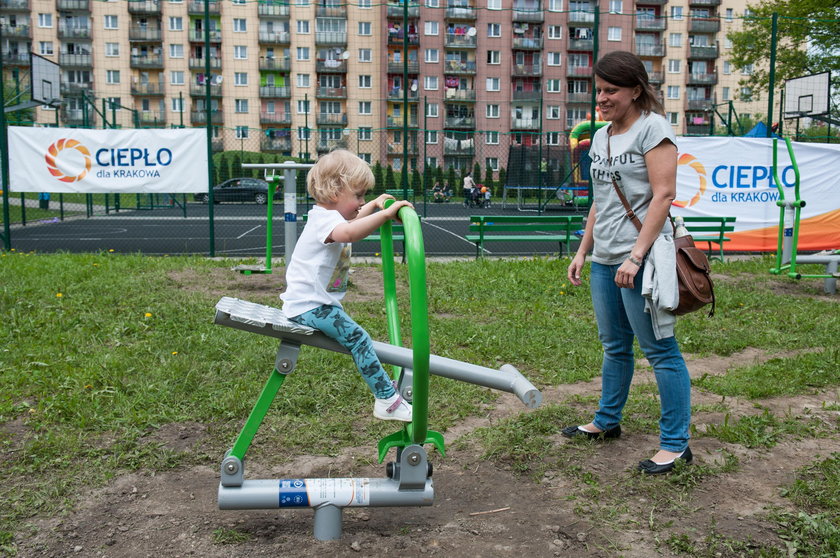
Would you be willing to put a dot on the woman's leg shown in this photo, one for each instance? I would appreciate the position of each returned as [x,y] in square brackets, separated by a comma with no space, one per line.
[669,368]
[333,322]
[616,336]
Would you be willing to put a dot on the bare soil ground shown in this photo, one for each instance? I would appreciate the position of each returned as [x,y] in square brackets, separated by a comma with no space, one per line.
[480,508]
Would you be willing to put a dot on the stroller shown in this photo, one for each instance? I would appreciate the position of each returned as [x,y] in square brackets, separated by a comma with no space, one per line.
[475,197]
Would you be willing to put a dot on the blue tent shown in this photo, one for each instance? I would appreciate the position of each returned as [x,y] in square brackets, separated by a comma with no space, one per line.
[759,131]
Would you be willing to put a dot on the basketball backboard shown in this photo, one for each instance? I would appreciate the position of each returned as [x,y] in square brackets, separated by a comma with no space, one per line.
[807,95]
[46,81]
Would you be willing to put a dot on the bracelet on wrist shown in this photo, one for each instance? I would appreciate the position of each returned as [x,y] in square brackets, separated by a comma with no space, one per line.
[634,261]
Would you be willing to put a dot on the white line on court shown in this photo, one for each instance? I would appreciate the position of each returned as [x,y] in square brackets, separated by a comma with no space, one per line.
[459,237]
[248,231]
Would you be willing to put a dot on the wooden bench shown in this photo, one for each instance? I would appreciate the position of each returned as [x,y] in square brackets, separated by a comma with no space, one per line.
[523,228]
[709,230]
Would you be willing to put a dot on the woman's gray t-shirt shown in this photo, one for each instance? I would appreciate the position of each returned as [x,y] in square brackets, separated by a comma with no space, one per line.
[614,233]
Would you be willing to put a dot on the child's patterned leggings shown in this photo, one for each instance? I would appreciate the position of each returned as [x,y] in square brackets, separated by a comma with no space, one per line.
[333,322]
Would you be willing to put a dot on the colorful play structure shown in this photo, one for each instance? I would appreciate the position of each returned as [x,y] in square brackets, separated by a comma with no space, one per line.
[787,258]
[408,480]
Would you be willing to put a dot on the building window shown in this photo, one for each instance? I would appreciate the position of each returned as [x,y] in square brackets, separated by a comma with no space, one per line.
[240,25]
[432,55]
[112,76]
[304,134]
[365,134]
[614,33]
[242,132]
[177,104]
[673,91]
[676,12]
[364,156]
[616,6]
[725,94]
[430,83]
[365,3]
[494,4]
[240,78]
[176,51]
[673,66]
[46,48]
[303,27]
[729,14]
[365,107]
[111,49]
[747,70]
[111,22]
[431,162]
[364,28]
[303,107]
[554,58]
[491,138]
[431,137]
[431,28]
[494,57]
[240,52]
[552,112]
[364,82]
[727,67]
[433,3]
[555,5]
[303,80]
[241,106]
[746,94]
[553,86]
[44,20]
[493,84]
[675,40]
[176,77]
[176,24]
[492,111]
[491,163]
[552,138]
[303,53]
[365,55]
[673,118]
[432,110]
[494,29]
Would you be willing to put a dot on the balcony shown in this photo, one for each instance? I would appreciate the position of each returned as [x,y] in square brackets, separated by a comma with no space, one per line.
[331,66]
[656,78]
[138,33]
[151,118]
[331,11]
[396,39]
[200,116]
[702,79]
[650,51]
[462,13]
[579,71]
[275,92]
[76,117]
[707,52]
[17,32]
[14,5]
[522,15]
[527,70]
[217,145]
[276,118]
[397,149]
[196,7]
[326,119]
[699,104]
[585,45]
[75,89]
[200,63]
[147,89]
[273,9]
[527,95]
[652,2]
[397,67]
[396,12]
[197,36]
[701,129]
[460,122]
[453,40]
[648,23]
[72,5]
[397,121]
[331,38]
[331,93]
[579,98]
[275,38]
[524,123]
[703,25]
[144,7]
[75,60]
[453,148]
[276,64]
[527,43]
[459,68]
[276,144]
[460,95]
[396,95]
[705,3]
[201,90]
[154,61]
[581,17]
[15,58]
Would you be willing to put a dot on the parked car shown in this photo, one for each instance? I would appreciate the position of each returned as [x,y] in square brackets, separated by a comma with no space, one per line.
[240,190]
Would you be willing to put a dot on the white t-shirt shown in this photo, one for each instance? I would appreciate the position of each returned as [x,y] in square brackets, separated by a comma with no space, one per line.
[318,272]
[615,234]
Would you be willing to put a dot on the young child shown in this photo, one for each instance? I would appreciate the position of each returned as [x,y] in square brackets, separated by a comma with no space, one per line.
[316,276]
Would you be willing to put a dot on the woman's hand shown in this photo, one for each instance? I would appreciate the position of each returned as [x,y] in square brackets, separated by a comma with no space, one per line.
[573,272]
[626,274]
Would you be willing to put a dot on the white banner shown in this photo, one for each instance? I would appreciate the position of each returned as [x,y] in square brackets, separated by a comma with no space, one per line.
[107,161]
[732,176]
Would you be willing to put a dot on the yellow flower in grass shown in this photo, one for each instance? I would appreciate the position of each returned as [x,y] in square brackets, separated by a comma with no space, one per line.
[58,295]
[148,314]
[174,352]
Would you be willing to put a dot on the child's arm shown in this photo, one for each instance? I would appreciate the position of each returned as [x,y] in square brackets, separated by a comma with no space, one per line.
[360,227]
[373,205]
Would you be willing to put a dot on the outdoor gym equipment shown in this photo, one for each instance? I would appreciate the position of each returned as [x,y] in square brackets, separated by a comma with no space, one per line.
[788,236]
[408,481]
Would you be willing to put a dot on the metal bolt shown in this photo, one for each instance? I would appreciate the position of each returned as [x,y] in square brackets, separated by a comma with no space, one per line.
[414,458]
[285,364]
[231,467]
[407,393]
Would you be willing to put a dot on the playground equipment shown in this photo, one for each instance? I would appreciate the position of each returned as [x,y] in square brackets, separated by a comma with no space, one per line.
[788,237]
[245,269]
[408,480]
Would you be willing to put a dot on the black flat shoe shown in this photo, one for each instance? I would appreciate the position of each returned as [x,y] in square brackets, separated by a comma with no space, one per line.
[574,431]
[648,467]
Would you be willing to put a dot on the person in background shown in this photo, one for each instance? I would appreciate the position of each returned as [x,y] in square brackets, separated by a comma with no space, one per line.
[317,275]
[469,185]
[637,151]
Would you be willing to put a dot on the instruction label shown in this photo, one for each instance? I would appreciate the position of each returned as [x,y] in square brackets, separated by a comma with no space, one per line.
[314,492]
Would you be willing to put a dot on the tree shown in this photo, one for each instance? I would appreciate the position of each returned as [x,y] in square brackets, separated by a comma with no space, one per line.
[488,178]
[416,181]
[390,183]
[808,42]
[378,180]
[476,173]
[502,177]
[452,180]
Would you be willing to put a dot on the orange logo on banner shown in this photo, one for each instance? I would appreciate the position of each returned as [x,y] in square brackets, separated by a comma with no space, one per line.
[53,153]
[691,161]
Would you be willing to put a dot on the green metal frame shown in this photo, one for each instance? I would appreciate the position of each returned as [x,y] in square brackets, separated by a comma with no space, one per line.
[797,204]
[273,183]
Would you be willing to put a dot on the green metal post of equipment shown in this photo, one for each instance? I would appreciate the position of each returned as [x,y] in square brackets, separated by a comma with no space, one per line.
[273,183]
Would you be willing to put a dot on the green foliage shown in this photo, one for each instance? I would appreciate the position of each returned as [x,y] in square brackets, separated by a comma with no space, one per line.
[416,181]
[379,180]
[439,175]
[816,133]
[476,172]
[488,179]
[452,179]
[502,177]
[390,181]
[817,486]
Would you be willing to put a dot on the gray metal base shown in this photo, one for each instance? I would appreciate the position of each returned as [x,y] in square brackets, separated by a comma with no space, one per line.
[831,261]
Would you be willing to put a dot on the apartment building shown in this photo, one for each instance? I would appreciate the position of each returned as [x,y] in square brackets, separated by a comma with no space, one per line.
[301,77]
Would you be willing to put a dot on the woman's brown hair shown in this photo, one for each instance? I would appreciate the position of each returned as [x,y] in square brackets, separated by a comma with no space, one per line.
[625,69]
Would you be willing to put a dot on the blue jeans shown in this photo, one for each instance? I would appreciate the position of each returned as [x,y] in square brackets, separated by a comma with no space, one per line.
[621,316]
[334,322]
